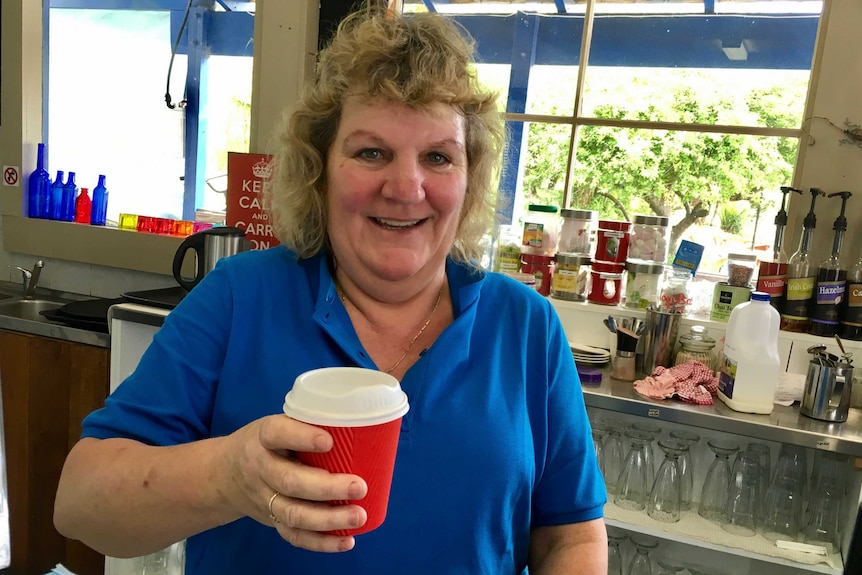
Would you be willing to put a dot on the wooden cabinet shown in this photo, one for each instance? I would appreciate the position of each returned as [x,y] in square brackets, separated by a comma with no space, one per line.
[49,386]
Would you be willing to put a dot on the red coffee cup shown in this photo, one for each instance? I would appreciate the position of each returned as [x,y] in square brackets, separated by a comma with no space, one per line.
[362,410]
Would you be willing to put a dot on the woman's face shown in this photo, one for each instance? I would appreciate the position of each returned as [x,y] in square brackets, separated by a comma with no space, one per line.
[396,183]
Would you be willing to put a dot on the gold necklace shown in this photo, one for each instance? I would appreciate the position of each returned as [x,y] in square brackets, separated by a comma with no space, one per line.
[425,325]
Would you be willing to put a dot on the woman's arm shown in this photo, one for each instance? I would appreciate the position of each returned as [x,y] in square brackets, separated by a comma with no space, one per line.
[124,498]
[576,548]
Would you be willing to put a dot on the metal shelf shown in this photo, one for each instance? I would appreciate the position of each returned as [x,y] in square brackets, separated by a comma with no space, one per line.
[668,535]
[784,424]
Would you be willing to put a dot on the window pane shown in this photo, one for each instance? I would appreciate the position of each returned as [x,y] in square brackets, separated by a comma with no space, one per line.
[766,98]
[719,190]
[107,115]
[655,61]
[535,169]
[228,113]
[495,77]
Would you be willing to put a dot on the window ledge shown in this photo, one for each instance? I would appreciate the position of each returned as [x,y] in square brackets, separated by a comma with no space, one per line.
[90,244]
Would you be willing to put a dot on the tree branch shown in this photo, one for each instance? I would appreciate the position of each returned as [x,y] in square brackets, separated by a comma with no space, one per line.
[619,205]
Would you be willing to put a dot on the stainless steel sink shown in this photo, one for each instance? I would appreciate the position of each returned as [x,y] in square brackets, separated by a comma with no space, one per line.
[27,308]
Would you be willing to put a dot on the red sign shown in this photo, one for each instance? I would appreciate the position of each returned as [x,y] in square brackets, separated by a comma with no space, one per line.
[246,174]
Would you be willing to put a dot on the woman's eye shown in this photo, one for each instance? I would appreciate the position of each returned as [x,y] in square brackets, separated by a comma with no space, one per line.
[437,159]
[370,154]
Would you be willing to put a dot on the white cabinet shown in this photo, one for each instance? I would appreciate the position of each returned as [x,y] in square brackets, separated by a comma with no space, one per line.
[132,329]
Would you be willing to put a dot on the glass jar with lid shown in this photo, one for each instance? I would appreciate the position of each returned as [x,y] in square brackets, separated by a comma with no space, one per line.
[578,232]
[642,283]
[698,345]
[650,239]
[740,269]
[541,231]
[571,277]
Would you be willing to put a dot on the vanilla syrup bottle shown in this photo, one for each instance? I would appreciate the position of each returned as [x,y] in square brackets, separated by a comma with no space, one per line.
[772,275]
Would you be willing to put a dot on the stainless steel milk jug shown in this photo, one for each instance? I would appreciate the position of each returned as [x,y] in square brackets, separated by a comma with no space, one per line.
[827,390]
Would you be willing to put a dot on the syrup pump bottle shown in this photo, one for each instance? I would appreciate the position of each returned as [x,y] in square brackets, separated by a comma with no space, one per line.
[800,276]
[831,281]
[850,326]
[772,275]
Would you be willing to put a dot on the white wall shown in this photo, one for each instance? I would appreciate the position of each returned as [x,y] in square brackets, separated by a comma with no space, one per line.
[828,164]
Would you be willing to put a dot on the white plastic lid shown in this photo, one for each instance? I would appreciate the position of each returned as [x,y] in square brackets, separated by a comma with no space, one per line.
[345,397]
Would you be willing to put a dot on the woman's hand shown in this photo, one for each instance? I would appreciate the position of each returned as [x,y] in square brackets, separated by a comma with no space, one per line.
[262,463]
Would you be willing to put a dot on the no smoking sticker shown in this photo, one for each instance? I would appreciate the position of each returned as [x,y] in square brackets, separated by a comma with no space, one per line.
[10,175]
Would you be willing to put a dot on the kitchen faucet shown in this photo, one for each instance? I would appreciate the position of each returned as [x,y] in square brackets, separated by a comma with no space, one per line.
[31,278]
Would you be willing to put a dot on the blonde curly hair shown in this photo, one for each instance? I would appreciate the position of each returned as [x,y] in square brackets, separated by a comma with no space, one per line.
[418,60]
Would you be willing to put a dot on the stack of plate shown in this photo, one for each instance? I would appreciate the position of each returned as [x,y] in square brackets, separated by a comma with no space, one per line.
[589,355]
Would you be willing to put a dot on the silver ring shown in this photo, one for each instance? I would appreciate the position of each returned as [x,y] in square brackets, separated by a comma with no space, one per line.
[271,514]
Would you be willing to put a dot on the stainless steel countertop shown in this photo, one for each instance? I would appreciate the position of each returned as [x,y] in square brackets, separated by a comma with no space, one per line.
[51,329]
[784,424]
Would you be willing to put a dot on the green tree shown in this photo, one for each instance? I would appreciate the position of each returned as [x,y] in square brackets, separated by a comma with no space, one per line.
[617,171]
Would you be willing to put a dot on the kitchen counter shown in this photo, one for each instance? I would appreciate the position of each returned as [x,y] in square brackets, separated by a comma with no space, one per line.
[47,328]
[56,331]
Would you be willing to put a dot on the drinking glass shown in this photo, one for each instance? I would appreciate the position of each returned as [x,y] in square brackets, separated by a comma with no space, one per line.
[633,486]
[649,450]
[764,457]
[612,454]
[783,505]
[666,494]
[156,563]
[668,567]
[744,497]
[686,471]
[713,497]
[641,564]
[826,501]
[615,556]
[599,433]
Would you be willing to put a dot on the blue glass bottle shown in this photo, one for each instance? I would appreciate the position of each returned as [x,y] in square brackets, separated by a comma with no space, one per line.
[100,203]
[55,198]
[67,206]
[39,186]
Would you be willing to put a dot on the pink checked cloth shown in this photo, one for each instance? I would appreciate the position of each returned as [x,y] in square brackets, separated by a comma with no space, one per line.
[691,381]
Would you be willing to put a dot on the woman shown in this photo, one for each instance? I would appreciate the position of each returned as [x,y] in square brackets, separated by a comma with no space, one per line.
[380,199]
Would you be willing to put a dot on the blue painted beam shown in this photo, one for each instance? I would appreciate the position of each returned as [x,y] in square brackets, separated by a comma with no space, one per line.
[196,112]
[120,4]
[522,57]
[684,41]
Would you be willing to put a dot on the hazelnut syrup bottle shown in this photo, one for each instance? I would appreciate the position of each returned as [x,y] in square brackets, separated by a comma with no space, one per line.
[831,281]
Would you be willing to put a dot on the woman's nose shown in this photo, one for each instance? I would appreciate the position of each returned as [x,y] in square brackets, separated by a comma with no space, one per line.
[404,182]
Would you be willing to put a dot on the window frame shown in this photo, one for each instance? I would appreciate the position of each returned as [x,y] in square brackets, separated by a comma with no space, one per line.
[525,47]
[286,41]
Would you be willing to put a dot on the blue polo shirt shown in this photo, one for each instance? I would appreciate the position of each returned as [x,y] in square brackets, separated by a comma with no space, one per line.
[496,441]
